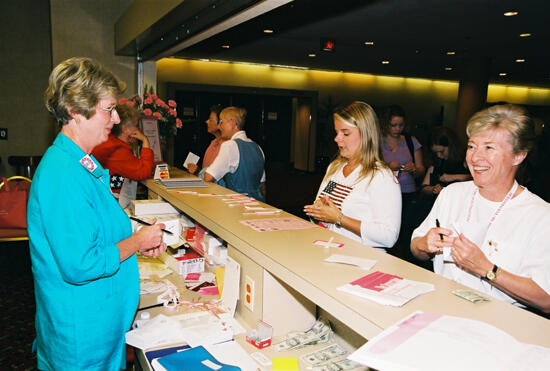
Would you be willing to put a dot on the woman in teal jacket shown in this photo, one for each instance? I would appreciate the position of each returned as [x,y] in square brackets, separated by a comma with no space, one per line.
[85,270]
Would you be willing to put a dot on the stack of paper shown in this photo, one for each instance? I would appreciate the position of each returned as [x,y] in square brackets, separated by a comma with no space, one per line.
[386,289]
[183,183]
[425,341]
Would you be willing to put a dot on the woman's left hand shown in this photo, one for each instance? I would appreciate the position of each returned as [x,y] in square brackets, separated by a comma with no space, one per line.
[323,210]
[469,257]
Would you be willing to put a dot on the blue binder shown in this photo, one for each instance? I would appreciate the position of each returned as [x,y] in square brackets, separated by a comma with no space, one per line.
[193,360]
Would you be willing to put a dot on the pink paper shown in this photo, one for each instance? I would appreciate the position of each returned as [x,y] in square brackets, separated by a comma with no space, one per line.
[377,281]
[212,290]
[192,277]
[406,330]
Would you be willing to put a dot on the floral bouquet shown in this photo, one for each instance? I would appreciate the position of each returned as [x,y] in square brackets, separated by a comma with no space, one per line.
[153,106]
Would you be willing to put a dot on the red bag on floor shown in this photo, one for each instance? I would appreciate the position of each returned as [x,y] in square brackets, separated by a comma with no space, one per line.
[13,203]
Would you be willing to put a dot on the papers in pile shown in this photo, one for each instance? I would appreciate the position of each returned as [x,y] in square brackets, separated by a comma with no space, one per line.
[386,289]
[433,342]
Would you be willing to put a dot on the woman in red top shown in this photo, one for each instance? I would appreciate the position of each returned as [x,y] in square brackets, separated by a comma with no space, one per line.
[117,155]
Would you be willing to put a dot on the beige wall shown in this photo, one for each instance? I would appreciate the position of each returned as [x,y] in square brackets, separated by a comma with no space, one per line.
[86,28]
[77,28]
[25,64]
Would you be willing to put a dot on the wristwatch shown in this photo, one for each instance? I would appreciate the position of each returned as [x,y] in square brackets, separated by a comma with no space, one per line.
[492,274]
[339,220]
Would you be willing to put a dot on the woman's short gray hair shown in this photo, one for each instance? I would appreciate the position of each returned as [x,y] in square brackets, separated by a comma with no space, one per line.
[512,118]
[79,84]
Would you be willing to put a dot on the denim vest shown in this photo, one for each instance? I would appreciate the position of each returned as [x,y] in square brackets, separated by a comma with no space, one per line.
[247,177]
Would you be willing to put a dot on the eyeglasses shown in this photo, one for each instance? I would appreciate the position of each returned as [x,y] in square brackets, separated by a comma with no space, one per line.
[110,110]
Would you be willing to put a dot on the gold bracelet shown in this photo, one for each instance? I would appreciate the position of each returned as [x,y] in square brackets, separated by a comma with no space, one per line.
[339,220]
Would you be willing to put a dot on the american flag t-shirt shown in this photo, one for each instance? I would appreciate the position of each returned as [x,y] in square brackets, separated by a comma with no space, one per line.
[336,192]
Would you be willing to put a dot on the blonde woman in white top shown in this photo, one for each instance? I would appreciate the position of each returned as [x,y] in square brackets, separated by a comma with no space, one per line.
[359,196]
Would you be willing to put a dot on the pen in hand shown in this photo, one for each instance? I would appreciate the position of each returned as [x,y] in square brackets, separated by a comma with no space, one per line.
[146,223]
[438,225]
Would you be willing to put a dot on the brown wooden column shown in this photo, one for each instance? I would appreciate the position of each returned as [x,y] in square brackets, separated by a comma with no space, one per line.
[472,91]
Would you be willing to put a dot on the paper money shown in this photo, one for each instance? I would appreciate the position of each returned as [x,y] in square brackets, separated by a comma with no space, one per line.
[472,296]
[344,364]
[324,355]
[320,332]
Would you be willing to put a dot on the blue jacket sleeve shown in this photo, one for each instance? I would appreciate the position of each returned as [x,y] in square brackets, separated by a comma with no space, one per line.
[74,228]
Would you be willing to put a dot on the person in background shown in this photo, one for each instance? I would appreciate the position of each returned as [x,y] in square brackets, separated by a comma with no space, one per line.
[401,151]
[449,164]
[240,162]
[214,147]
[403,154]
[493,233]
[359,196]
[117,154]
[86,279]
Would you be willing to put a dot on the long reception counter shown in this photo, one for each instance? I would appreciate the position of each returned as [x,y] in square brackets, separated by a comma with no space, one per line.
[288,260]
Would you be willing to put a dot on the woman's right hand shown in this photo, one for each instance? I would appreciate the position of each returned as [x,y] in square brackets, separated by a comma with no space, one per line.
[137,134]
[395,165]
[192,167]
[149,237]
[433,242]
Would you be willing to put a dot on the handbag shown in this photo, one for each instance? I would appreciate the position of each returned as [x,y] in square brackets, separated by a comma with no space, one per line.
[14,194]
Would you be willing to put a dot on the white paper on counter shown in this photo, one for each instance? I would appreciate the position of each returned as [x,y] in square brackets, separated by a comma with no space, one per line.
[362,263]
[433,342]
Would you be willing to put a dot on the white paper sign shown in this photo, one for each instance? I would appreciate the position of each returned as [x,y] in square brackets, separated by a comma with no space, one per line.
[191,158]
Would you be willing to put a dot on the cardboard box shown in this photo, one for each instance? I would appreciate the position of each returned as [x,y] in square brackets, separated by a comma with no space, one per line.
[152,207]
[182,265]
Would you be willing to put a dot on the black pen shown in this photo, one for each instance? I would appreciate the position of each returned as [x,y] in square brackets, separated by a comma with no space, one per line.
[438,225]
[146,223]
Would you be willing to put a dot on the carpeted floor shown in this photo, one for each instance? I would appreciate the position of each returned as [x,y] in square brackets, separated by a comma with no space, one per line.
[16,307]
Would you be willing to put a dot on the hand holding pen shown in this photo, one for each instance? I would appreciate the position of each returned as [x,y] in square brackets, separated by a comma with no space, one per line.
[438,238]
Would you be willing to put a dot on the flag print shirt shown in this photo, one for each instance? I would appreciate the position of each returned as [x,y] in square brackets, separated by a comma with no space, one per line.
[376,203]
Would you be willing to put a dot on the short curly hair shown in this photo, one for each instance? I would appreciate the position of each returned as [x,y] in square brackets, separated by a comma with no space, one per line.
[513,119]
[78,84]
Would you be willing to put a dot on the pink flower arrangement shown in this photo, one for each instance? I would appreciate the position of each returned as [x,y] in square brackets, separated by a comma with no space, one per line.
[153,106]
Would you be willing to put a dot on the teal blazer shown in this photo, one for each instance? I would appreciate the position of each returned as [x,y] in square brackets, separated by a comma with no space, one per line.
[85,297]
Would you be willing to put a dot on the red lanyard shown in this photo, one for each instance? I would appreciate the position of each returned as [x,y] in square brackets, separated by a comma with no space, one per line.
[500,207]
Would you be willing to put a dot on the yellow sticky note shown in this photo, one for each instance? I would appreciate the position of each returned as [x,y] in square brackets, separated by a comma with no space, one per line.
[285,364]
[220,274]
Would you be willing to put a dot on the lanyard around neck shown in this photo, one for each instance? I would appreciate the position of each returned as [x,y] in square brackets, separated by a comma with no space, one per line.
[500,207]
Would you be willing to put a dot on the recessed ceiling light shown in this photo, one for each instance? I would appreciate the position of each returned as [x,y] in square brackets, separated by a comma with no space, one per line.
[527,34]
[502,74]
[225,46]
[510,14]
[520,60]
[369,42]
[385,62]
[450,52]
[312,55]
[448,68]
[268,31]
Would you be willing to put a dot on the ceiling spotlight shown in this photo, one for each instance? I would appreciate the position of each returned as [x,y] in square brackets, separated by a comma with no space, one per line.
[451,52]
[225,46]
[448,68]
[527,34]
[502,74]
[268,31]
[385,62]
[520,60]
[369,42]
[312,55]
[510,14]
